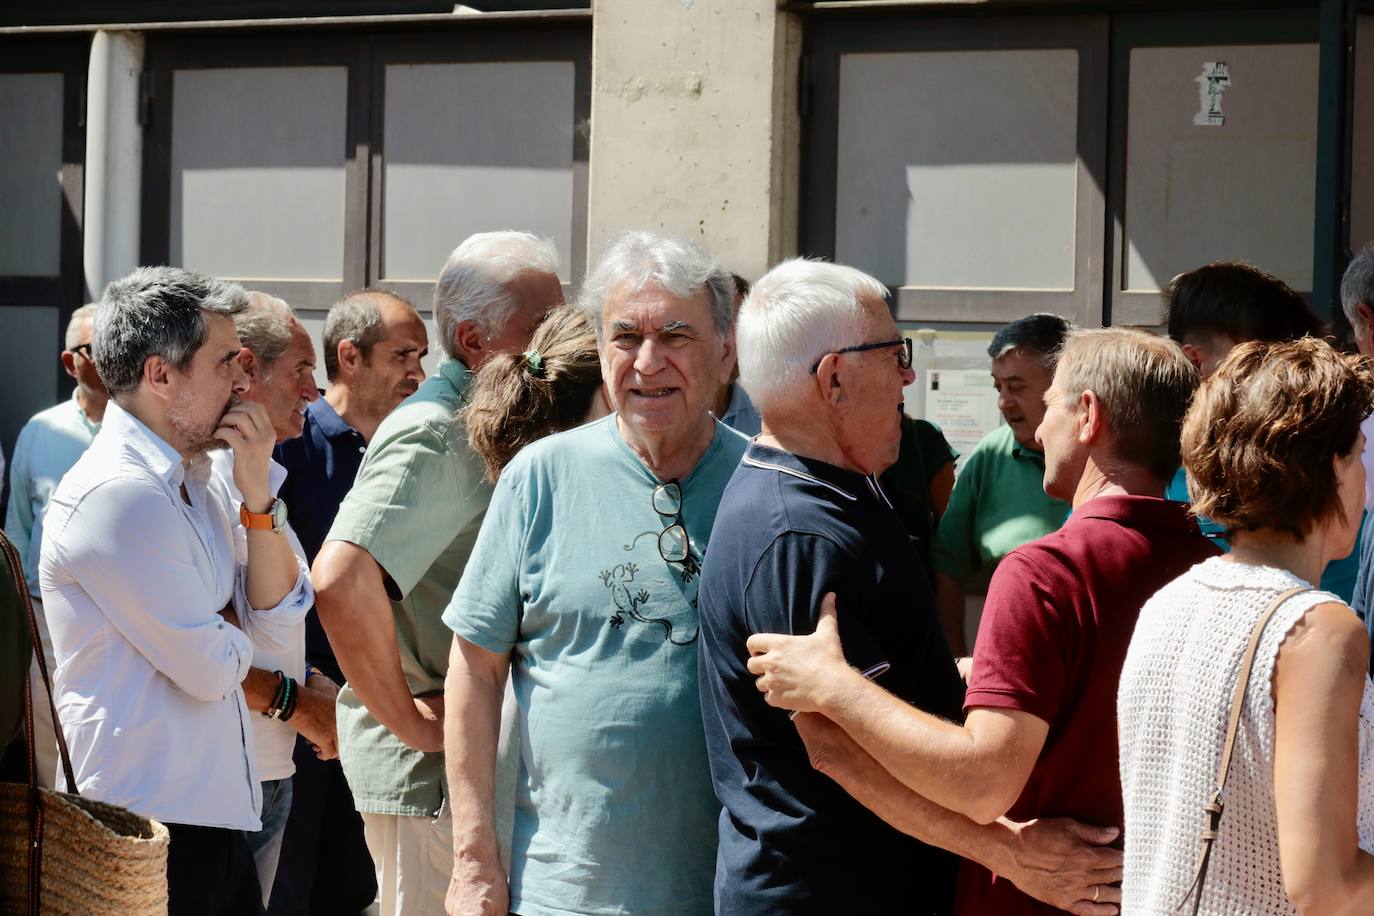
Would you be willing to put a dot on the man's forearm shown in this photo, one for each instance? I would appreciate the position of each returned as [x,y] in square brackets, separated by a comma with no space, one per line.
[1057,861]
[863,777]
[934,758]
[473,690]
[272,570]
[351,600]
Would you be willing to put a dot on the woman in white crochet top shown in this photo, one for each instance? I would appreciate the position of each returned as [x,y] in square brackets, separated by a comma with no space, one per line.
[1273,450]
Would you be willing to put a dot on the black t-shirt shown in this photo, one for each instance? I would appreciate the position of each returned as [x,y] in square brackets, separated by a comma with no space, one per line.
[789,530]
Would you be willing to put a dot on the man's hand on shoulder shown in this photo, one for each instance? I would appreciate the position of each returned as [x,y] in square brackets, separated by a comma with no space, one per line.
[799,672]
[1067,864]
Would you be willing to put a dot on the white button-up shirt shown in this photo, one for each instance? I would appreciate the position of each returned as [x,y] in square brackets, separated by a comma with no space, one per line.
[148,672]
[278,633]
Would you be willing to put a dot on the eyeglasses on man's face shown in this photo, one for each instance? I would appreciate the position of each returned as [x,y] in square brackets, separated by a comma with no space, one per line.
[903,358]
[83,350]
[673,545]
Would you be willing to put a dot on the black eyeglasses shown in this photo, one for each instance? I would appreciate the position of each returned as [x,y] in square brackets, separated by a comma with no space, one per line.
[673,545]
[84,350]
[903,358]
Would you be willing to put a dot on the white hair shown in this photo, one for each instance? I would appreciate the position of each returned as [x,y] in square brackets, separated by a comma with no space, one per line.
[473,284]
[83,314]
[798,312]
[635,259]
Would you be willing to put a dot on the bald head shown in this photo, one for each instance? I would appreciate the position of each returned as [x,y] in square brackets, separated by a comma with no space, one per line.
[361,317]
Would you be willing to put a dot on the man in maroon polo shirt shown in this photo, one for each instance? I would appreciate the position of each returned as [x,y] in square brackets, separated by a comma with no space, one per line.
[1039,737]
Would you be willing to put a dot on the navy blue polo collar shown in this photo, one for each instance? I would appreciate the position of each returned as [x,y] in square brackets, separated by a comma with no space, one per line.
[327,419]
[849,484]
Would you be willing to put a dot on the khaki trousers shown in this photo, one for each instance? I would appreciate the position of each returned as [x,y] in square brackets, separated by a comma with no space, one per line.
[414,858]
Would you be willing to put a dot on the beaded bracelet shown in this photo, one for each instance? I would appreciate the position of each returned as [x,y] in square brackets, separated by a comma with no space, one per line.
[274,708]
[291,699]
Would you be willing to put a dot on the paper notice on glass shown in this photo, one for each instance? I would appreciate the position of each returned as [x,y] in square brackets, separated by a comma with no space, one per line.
[963,403]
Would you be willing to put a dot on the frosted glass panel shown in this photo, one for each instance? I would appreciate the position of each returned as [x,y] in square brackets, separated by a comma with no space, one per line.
[957,169]
[472,148]
[1226,176]
[1362,160]
[30,174]
[258,172]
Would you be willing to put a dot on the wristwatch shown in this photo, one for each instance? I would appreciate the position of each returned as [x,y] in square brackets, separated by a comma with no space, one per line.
[274,519]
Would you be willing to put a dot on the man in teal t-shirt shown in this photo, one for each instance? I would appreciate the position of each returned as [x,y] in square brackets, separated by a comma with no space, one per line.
[614,799]
[583,586]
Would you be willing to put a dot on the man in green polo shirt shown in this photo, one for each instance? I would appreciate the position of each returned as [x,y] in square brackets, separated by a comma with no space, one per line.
[394,556]
[999,502]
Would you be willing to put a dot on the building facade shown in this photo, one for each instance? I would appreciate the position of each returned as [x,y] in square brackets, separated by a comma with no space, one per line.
[985,160]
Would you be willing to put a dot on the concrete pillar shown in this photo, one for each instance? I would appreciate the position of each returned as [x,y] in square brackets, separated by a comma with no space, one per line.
[114,158]
[695,128]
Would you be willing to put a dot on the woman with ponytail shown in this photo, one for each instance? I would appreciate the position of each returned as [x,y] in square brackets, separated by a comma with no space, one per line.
[520,397]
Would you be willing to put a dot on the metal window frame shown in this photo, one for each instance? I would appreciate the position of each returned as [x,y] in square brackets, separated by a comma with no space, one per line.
[830,39]
[1175,29]
[65,292]
[365,54]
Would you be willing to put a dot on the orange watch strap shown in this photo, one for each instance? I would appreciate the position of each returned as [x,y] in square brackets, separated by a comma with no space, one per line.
[262,521]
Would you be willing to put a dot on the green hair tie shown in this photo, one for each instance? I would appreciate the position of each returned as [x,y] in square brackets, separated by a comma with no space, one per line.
[535,362]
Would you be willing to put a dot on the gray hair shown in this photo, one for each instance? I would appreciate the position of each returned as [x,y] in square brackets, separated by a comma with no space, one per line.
[264,327]
[473,284]
[794,315]
[156,311]
[1040,336]
[357,318]
[1357,285]
[635,259]
[86,312]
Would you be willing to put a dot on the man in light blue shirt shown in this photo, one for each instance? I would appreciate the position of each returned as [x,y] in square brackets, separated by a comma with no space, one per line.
[583,585]
[47,447]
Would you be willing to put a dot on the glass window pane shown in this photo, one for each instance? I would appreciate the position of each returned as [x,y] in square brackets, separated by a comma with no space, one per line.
[30,174]
[471,148]
[258,172]
[958,169]
[1362,164]
[1240,185]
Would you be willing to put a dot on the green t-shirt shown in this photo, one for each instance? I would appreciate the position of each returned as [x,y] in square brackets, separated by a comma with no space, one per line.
[614,809]
[416,506]
[998,504]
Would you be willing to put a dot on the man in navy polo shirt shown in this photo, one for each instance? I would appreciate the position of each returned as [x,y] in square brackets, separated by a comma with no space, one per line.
[373,342]
[804,515]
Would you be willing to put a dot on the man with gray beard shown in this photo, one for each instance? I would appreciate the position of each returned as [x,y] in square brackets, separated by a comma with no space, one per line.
[137,564]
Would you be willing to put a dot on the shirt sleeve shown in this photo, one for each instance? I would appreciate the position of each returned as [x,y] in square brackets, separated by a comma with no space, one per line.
[1025,640]
[277,629]
[486,607]
[19,515]
[415,492]
[953,552]
[789,581]
[145,584]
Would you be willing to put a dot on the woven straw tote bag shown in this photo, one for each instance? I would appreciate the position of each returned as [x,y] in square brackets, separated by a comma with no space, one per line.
[65,855]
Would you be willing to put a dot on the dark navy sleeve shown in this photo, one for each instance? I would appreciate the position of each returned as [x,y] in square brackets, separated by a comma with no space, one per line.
[787,586]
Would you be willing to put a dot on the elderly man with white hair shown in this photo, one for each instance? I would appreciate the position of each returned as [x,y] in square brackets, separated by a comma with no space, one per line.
[804,516]
[394,555]
[583,586]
